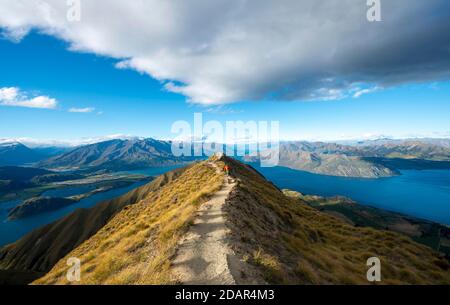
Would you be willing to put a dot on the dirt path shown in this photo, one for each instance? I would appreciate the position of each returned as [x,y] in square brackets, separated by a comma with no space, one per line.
[202,256]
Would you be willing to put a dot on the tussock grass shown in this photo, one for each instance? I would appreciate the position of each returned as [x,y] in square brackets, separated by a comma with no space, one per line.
[297,244]
[136,246]
[286,242]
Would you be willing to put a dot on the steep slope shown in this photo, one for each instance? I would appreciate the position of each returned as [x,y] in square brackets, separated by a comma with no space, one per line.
[117,155]
[39,250]
[431,234]
[315,248]
[271,237]
[136,245]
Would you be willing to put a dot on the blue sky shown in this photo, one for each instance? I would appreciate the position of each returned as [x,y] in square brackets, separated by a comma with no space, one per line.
[132,103]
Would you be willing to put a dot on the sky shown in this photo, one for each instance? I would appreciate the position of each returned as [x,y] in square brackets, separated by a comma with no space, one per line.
[320,69]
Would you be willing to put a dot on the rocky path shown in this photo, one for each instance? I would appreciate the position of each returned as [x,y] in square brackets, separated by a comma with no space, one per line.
[202,256]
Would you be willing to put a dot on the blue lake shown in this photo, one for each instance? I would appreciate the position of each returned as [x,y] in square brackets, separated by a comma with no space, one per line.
[424,194]
[11,231]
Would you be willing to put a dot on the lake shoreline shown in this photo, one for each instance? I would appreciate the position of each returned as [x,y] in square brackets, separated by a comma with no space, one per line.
[421,194]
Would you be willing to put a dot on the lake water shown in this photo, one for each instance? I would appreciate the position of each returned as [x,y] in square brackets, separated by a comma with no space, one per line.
[11,231]
[424,194]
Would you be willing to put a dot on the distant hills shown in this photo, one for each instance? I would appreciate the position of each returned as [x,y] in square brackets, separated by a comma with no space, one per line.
[14,179]
[117,155]
[330,159]
[134,239]
[38,205]
[18,154]
[443,142]
[434,150]
[368,159]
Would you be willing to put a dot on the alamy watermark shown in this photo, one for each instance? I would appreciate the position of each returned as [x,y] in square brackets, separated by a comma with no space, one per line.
[374,272]
[256,140]
[74,272]
[374,11]
[74,10]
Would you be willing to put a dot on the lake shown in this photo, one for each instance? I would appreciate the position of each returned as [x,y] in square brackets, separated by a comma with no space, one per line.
[11,231]
[420,193]
[424,194]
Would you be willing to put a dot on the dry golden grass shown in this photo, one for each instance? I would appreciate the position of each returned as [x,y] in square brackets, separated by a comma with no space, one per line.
[293,243]
[288,242]
[136,246]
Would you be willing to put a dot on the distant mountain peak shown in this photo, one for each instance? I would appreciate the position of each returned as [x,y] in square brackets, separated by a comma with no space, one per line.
[118,154]
[10,144]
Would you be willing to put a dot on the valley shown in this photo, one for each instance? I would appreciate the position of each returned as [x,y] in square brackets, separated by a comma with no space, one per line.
[256,213]
[63,194]
[265,143]
[32,195]
[130,222]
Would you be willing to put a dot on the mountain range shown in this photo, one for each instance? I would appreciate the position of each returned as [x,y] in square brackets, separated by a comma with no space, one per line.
[368,159]
[330,159]
[380,159]
[145,237]
[17,154]
[117,155]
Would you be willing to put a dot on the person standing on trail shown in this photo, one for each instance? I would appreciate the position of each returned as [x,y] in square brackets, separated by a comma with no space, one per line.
[226,169]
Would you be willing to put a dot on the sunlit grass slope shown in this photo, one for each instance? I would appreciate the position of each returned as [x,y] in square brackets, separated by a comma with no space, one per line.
[292,243]
[135,247]
[286,241]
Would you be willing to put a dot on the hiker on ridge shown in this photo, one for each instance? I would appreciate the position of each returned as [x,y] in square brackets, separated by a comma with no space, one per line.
[226,169]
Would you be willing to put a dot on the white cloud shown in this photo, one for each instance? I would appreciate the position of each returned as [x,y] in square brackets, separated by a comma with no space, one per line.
[222,51]
[32,142]
[12,96]
[359,92]
[8,94]
[82,110]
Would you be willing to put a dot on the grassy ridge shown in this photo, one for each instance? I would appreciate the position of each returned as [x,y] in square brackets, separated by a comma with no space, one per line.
[293,243]
[287,242]
[135,247]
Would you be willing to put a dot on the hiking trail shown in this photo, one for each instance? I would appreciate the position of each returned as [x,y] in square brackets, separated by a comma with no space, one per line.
[203,253]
